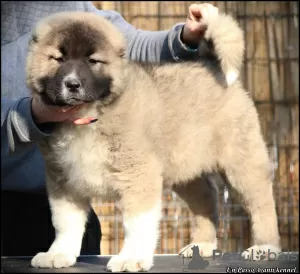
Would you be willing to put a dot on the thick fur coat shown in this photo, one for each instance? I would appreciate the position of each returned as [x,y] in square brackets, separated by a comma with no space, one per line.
[158,125]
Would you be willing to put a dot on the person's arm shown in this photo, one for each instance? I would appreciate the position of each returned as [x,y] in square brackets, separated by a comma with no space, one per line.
[153,46]
[18,128]
[26,120]
[161,46]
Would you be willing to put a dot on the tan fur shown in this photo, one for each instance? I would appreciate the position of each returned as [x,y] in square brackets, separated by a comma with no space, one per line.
[227,38]
[201,196]
[164,125]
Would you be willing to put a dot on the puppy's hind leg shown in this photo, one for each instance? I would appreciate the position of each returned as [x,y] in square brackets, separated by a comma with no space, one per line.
[247,167]
[69,215]
[201,197]
[141,207]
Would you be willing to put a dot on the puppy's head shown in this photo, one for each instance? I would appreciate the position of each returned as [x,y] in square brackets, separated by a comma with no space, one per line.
[75,58]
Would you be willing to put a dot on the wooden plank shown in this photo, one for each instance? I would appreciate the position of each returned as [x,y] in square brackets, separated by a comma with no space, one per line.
[271,54]
[282,199]
[176,9]
[108,5]
[266,119]
[260,72]
[292,48]
[282,118]
[138,12]
[97,4]
[294,197]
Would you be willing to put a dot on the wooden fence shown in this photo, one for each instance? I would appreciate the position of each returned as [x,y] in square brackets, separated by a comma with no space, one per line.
[271,74]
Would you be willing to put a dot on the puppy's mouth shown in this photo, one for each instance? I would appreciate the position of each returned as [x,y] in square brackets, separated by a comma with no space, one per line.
[74,101]
[58,100]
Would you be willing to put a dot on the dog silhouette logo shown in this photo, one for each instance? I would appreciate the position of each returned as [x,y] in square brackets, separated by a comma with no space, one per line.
[197,261]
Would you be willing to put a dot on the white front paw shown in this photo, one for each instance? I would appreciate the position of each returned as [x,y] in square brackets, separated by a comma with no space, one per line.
[120,263]
[261,252]
[53,260]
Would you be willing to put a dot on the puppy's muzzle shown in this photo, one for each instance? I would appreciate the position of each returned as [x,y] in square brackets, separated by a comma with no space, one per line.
[73,85]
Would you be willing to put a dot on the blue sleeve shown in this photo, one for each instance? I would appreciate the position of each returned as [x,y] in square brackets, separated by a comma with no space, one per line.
[18,129]
[153,46]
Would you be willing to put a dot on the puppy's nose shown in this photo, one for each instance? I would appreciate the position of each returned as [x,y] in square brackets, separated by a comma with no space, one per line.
[72,84]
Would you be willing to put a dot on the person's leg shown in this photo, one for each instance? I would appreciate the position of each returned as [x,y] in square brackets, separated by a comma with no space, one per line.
[26,226]
[25,223]
[92,237]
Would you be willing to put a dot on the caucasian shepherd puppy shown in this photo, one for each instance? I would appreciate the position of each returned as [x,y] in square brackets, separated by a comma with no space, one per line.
[158,124]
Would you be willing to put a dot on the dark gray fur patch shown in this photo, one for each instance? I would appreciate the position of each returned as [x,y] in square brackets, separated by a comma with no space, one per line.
[79,40]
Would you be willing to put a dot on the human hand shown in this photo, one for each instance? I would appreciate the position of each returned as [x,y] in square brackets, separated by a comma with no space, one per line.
[194,27]
[46,113]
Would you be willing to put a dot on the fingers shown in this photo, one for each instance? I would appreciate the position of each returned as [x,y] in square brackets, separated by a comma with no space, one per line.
[198,11]
[43,113]
[71,114]
[66,109]
[85,121]
[194,11]
[69,109]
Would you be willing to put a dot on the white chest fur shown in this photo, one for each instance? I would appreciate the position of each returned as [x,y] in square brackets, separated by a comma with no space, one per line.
[83,156]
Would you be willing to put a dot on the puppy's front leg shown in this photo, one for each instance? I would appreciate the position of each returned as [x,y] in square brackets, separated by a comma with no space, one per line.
[69,214]
[141,216]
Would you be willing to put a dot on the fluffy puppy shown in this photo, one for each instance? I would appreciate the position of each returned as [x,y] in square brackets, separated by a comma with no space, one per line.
[158,124]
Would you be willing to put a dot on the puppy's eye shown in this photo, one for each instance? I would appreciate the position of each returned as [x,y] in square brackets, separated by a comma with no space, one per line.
[57,59]
[94,61]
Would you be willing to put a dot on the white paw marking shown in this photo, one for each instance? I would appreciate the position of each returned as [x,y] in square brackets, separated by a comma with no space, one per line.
[120,264]
[261,252]
[140,240]
[231,77]
[53,260]
[206,249]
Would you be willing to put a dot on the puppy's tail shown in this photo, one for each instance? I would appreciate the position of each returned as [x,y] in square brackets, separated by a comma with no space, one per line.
[225,39]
